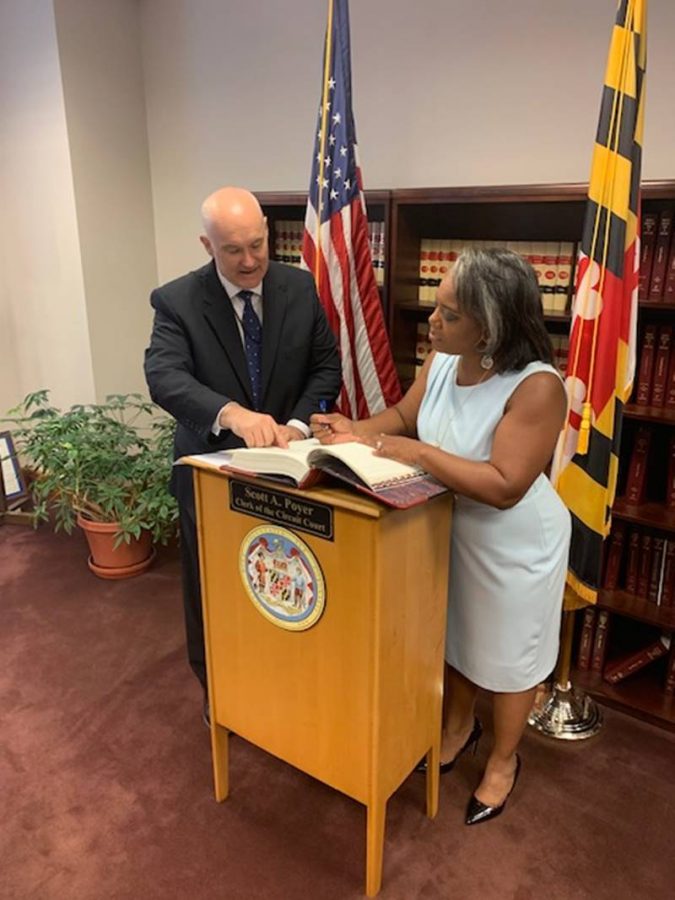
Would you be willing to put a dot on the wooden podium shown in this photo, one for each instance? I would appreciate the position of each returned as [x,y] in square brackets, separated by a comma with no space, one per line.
[355,700]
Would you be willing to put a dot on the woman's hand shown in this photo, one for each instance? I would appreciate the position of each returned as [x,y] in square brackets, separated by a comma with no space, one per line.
[404,449]
[332,428]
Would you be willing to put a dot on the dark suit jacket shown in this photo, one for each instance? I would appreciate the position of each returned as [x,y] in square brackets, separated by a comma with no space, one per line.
[195,363]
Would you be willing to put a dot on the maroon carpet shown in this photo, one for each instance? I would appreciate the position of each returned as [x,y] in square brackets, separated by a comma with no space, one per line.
[106,789]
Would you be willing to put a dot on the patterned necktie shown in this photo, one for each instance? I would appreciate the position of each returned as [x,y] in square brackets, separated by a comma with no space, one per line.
[253,345]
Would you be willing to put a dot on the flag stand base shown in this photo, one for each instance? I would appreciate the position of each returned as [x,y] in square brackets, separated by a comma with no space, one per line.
[567,714]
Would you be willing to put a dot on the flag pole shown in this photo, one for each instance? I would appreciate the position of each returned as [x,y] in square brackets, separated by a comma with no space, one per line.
[322,144]
[564,712]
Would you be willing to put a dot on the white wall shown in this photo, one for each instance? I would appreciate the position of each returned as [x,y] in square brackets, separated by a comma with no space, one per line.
[99,48]
[446,92]
[44,340]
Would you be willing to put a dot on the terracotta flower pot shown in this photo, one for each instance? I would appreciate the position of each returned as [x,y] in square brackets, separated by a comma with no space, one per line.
[108,561]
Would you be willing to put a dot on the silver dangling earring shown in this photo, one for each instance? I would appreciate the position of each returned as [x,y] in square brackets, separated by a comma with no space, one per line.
[486,362]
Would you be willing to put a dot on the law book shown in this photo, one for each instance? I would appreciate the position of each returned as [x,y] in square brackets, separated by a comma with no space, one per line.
[660,265]
[647,244]
[644,566]
[656,570]
[632,561]
[637,467]
[563,276]
[600,641]
[646,370]
[662,357]
[667,594]
[669,290]
[628,663]
[614,554]
[670,383]
[670,484]
[423,282]
[302,463]
[586,639]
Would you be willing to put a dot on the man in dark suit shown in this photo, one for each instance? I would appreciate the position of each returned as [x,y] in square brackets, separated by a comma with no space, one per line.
[240,354]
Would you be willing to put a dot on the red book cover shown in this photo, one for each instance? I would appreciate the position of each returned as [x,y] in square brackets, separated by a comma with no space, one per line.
[655,569]
[670,485]
[586,639]
[644,566]
[670,673]
[614,553]
[637,468]
[646,370]
[625,665]
[647,244]
[670,384]
[600,642]
[632,562]
[669,290]
[658,393]
[657,280]
[668,578]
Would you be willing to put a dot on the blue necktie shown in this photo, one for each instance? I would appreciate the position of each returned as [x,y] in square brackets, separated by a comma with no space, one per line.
[253,345]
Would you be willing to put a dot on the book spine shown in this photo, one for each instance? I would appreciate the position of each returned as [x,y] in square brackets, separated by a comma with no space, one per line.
[614,554]
[600,642]
[647,242]
[655,570]
[637,469]
[669,290]
[668,576]
[670,383]
[659,268]
[644,566]
[670,484]
[626,665]
[658,392]
[632,562]
[586,639]
[646,370]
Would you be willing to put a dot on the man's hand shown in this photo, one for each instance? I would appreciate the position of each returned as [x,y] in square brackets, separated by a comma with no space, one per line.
[255,429]
[288,433]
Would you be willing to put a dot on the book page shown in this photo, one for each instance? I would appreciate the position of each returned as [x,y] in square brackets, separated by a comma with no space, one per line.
[376,471]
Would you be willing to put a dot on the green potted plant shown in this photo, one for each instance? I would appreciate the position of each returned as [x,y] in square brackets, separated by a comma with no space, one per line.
[105,467]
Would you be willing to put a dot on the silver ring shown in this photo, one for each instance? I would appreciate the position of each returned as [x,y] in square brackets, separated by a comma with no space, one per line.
[378,445]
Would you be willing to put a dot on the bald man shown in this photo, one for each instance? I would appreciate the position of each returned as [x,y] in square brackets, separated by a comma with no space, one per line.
[198,363]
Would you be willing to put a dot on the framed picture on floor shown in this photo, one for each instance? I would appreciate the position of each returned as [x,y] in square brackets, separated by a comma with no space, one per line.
[13,482]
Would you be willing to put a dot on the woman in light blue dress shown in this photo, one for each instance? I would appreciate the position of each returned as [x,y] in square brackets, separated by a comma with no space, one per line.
[483,417]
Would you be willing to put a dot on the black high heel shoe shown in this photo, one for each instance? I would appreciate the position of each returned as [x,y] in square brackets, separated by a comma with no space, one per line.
[471,742]
[477,812]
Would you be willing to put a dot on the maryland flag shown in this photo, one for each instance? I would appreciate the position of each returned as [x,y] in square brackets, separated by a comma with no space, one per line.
[603,335]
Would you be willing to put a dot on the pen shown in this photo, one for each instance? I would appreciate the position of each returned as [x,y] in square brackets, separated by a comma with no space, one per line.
[323,406]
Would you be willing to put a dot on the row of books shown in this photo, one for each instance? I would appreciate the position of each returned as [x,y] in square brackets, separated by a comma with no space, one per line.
[641,563]
[593,644]
[657,257]
[655,382]
[552,261]
[560,342]
[288,236]
[639,466]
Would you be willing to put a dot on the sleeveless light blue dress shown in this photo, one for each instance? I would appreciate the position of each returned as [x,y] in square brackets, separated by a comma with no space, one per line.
[507,567]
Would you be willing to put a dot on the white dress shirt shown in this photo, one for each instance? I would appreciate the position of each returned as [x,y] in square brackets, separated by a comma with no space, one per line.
[238,307]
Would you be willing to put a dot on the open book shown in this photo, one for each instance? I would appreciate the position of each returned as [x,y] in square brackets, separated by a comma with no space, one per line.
[393,483]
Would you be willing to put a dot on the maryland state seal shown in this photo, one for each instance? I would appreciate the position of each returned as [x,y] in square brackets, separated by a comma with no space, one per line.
[282,577]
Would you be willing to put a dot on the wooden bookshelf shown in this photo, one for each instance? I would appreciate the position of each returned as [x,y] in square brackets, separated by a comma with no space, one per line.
[279,205]
[542,213]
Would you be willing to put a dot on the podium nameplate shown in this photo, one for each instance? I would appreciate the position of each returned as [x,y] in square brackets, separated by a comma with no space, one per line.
[281,508]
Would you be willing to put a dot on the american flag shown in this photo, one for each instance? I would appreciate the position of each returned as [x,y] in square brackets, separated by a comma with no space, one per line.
[335,243]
